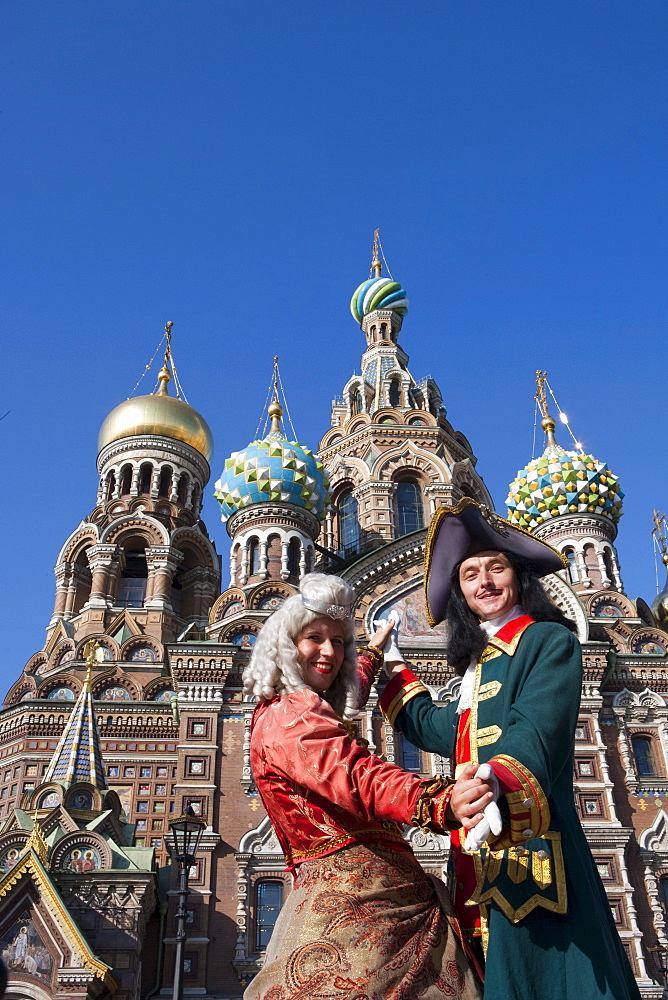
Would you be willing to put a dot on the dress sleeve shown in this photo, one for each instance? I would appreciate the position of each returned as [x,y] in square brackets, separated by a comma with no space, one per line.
[369,662]
[407,706]
[308,744]
[537,741]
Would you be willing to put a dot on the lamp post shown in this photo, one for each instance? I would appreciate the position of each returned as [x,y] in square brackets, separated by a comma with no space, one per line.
[661,952]
[186,832]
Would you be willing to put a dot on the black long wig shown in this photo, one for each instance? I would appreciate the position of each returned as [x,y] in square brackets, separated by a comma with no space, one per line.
[466,640]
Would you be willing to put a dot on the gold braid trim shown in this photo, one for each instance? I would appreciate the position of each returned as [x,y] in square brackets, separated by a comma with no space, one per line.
[374,654]
[432,805]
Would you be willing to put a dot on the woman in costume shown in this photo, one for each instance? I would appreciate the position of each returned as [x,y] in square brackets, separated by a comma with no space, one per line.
[363,921]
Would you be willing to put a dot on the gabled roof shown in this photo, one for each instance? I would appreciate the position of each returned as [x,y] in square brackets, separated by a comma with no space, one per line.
[29,866]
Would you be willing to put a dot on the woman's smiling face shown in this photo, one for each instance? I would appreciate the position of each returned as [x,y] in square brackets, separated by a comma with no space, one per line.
[321,648]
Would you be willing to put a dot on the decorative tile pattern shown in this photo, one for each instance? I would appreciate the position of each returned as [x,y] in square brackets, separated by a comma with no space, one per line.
[274,469]
[563,482]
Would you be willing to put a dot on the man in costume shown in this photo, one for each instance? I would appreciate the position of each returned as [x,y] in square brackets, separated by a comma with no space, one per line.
[526,888]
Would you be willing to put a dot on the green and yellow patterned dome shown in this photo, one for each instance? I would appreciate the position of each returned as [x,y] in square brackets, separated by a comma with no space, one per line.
[562,482]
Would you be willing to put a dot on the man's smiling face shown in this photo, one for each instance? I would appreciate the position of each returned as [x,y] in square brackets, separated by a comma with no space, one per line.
[489,584]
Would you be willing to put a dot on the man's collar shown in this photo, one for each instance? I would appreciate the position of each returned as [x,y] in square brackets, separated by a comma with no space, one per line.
[508,637]
[494,625]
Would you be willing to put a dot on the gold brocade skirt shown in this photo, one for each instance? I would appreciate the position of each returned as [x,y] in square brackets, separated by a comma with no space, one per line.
[364,923]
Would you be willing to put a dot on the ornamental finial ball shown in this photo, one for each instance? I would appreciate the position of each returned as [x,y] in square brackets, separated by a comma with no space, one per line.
[275,411]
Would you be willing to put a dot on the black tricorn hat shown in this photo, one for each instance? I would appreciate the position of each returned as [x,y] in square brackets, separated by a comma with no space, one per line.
[455,533]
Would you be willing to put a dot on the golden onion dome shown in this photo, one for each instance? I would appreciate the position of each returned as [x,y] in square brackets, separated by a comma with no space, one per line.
[159,414]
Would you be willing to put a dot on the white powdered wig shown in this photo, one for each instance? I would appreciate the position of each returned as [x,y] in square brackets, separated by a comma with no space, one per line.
[275,668]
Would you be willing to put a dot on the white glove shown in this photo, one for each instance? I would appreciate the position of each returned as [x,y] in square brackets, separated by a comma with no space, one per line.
[390,649]
[492,821]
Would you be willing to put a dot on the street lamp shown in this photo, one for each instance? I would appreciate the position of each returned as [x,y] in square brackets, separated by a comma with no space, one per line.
[661,952]
[186,833]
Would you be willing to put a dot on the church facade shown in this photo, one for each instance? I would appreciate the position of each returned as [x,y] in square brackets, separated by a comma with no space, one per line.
[97,756]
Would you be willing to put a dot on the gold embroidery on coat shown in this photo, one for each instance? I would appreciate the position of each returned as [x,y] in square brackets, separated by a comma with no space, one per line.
[489,690]
[541,869]
[518,865]
[490,734]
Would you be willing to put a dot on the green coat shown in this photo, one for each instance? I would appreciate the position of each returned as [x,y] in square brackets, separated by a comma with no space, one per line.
[548,928]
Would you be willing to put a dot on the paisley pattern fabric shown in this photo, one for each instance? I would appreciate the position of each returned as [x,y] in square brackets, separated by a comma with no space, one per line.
[364,923]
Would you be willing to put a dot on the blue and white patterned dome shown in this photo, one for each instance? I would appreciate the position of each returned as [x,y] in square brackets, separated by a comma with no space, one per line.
[273,470]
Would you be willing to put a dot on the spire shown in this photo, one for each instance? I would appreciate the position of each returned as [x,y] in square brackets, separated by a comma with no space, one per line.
[547,423]
[78,756]
[164,375]
[275,410]
[376,266]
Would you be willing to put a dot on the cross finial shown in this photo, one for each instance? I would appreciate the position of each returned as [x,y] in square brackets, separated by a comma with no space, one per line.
[541,395]
[376,265]
[660,532]
[274,377]
[93,654]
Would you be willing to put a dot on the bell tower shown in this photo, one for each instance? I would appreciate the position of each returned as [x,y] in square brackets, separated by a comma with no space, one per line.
[272,496]
[143,549]
[393,456]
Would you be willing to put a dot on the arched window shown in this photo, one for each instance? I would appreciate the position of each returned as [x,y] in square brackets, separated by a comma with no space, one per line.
[644,755]
[664,891]
[356,402]
[268,902]
[126,480]
[165,485]
[383,331]
[572,566]
[294,552]
[183,488]
[394,393]
[132,584]
[410,512]
[349,529]
[145,476]
[111,484]
[253,557]
[591,562]
[196,497]
[607,562]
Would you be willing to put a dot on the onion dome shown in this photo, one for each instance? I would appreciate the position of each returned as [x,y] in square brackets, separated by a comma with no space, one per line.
[158,414]
[562,482]
[273,470]
[378,293]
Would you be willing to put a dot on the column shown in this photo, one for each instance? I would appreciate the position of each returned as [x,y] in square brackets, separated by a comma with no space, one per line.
[284,560]
[583,575]
[134,484]
[103,561]
[162,562]
[262,569]
[244,562]
[605,579]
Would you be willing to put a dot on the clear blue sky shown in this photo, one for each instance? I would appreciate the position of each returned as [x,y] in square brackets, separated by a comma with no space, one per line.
[224,164]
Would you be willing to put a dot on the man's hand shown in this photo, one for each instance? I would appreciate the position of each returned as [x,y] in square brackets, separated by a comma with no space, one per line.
[380,637]
[469,797]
